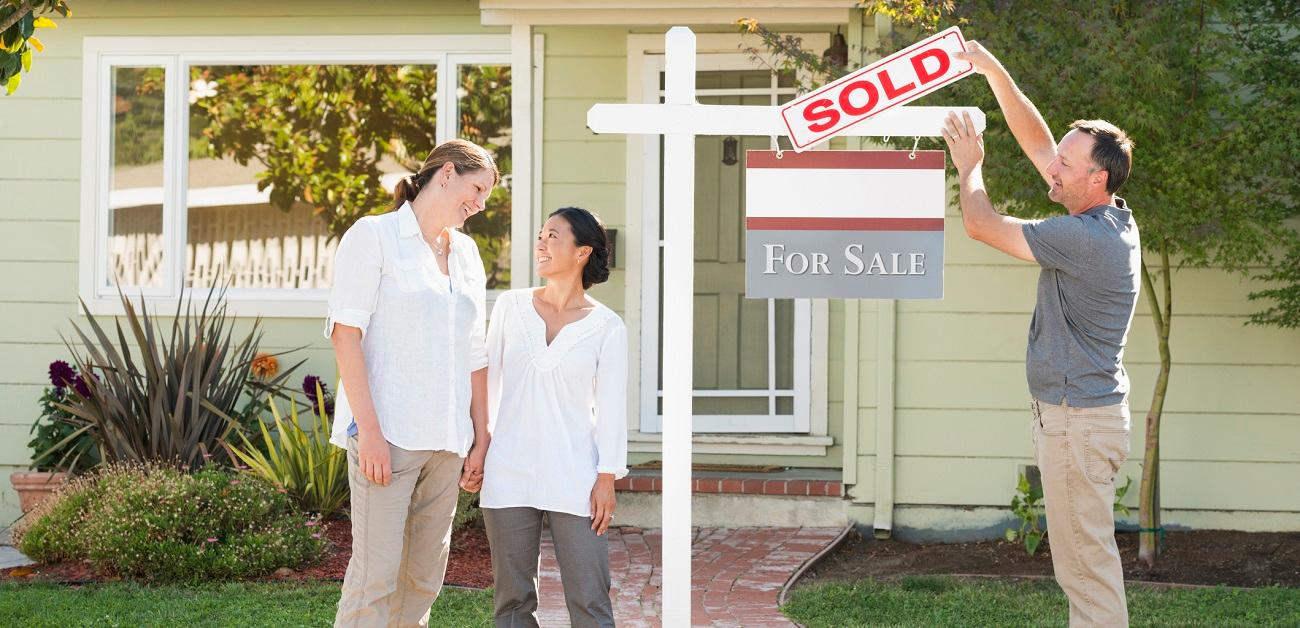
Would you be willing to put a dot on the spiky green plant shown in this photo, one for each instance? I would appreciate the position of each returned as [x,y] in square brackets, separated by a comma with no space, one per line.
[300,461]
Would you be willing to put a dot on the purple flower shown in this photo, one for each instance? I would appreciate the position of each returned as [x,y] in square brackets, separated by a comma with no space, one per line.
[309,387]
[79,385]
[212,539]
[309,384]
[61,374]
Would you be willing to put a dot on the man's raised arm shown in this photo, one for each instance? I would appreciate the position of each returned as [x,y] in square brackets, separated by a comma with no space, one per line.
[1022,117]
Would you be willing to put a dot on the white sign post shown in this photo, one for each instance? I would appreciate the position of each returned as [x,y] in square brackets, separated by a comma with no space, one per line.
[679,119]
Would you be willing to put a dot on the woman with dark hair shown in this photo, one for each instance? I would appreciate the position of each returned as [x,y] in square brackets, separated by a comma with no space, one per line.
[557,382]
[407,317]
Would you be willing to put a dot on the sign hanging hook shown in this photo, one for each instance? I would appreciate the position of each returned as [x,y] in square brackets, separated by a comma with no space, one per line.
[915,141]
[776,146]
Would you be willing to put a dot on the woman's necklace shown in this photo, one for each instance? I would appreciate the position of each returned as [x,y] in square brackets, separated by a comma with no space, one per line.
[438,249]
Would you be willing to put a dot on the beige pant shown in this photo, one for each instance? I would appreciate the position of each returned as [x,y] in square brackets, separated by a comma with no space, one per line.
[1079,451]
[401,537]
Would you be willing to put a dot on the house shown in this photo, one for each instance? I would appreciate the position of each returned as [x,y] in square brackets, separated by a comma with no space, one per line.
[906,416]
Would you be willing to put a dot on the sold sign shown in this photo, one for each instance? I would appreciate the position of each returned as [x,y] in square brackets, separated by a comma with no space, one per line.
[901,78]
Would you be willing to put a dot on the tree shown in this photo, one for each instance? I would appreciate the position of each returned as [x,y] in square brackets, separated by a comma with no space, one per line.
[18,24]
[322,132]
[1209,90]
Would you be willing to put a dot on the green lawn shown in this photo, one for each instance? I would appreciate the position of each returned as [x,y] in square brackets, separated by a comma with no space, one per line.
[940,601]
[231,604]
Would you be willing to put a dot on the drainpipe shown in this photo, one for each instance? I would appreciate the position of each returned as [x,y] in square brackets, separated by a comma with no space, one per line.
[886,332]
[886,328]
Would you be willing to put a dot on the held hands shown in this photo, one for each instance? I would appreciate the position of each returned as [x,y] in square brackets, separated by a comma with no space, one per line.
[964,144]
[373,458]
[471,475]
[602,503]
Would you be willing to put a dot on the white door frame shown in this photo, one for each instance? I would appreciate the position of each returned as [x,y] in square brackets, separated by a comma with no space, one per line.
[645,61]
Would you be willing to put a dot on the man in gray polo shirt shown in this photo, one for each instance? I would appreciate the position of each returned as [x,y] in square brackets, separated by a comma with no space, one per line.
[1087,290]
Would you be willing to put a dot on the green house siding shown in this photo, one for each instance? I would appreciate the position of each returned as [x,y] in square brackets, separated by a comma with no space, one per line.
[1231,437]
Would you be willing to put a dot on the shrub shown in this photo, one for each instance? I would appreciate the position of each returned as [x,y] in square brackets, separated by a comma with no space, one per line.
[156,523]
[300,461]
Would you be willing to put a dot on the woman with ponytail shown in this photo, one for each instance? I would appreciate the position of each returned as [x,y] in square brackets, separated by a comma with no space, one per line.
[407,321]
[557,398]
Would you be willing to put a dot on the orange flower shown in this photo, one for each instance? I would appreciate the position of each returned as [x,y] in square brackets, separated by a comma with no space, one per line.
[265,366]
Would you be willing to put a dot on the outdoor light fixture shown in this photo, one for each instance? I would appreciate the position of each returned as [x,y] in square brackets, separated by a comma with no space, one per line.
[838,54]
[729,150]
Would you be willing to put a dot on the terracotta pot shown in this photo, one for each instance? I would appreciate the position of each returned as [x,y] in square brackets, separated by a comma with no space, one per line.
[34,486]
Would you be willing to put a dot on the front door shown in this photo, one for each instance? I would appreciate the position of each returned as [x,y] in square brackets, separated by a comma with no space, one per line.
[751,356]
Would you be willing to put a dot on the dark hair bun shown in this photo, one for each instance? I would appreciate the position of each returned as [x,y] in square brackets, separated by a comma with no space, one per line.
[588,231]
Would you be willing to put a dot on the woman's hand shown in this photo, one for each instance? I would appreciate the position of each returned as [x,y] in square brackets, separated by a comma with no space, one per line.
[602,503]
[471,474]
[373,457]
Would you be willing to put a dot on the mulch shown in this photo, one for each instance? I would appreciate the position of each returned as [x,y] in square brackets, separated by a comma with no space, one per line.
[470,564]
[1198,557]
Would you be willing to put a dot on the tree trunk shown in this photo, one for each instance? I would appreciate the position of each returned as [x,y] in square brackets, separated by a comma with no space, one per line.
[1150,530]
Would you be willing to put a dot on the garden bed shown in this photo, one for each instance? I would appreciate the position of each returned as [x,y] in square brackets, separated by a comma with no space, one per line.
[470,564]
[1201,557]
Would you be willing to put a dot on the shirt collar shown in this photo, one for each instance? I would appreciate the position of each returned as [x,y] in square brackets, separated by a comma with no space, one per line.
[407,225]
[1119,208]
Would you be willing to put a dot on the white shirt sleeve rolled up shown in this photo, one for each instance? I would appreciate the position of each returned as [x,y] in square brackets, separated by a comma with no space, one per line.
[358,264]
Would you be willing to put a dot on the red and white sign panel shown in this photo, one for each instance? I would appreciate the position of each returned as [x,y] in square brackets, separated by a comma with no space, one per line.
[899,78]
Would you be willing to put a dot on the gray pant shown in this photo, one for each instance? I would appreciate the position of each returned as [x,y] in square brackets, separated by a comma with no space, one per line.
[515,535]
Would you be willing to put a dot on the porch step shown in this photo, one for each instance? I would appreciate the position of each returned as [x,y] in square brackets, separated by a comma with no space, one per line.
[801,482]
[789,498]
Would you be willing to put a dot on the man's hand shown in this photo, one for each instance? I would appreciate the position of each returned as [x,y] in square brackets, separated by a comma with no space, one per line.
[980,57]
[602,503]
[964,144]
[471,474]
[373,458]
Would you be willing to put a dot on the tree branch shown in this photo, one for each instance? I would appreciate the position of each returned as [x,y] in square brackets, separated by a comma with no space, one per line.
[20,11]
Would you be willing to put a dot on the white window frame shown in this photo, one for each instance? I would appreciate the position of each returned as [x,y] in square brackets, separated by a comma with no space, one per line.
[176,55]
[717,52]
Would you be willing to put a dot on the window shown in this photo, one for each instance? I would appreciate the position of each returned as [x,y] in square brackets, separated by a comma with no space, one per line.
[242,169]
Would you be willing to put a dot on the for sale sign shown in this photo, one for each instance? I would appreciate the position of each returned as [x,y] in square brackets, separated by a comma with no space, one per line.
[844,224]
[900,78]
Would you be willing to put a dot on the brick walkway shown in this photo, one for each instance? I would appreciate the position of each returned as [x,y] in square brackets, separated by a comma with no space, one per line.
[737,572]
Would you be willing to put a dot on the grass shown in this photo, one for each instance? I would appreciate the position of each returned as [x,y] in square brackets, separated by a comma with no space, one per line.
[943,601]
[230,604]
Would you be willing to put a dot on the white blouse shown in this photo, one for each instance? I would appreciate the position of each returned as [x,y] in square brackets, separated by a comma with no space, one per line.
[557,413]
[422,331]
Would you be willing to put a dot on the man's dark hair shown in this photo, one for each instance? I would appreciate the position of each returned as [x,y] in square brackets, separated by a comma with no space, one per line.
[1112,150]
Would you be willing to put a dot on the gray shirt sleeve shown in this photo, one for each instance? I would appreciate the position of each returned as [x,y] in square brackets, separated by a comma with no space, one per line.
[1062,243]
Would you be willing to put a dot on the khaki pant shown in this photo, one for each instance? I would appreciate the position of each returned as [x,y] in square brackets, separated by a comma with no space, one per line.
[401,537]
[1079,451]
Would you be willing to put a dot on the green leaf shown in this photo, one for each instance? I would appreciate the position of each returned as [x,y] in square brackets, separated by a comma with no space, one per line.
[12,85]
[27,60]
[1010,535]
[44,22]
[1031,542]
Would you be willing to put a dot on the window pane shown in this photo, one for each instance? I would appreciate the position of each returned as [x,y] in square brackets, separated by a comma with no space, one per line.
[483,105]
[135,218]
[284,158]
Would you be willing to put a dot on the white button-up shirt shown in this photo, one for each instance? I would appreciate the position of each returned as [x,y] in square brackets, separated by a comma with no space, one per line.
[422,331]
[557,413]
